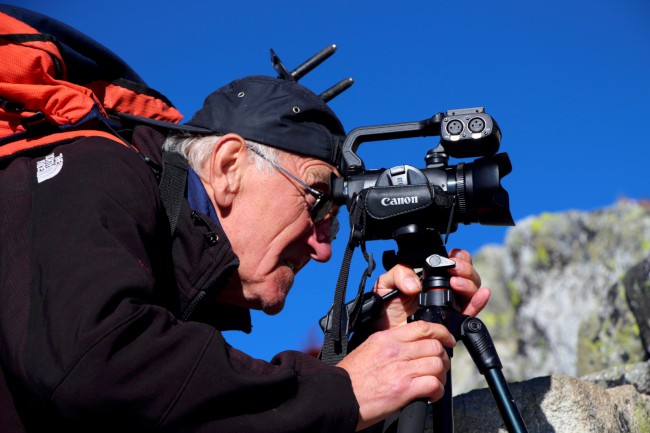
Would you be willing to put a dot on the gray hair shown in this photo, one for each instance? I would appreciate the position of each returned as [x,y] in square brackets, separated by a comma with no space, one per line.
[197,148]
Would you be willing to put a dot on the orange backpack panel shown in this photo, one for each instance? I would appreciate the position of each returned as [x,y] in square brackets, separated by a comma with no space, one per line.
[57,83]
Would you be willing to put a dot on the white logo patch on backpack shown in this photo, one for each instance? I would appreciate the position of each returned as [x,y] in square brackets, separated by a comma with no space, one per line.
[49,167]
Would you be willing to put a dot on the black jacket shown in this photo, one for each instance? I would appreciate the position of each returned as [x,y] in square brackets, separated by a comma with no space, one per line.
[107,323]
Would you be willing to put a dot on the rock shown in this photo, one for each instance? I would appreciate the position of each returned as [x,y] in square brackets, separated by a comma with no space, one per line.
[637,291]
[571,292]
[637,375]
[559,404]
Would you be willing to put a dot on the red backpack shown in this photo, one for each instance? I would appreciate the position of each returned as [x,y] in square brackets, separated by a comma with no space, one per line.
[57,84]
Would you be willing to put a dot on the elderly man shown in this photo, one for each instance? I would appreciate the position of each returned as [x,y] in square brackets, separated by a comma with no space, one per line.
[111,321]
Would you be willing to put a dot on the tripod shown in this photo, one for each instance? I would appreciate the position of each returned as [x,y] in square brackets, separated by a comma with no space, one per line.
[424,249]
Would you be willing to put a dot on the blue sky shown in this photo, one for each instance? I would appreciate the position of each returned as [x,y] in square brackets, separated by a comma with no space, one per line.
[567,81]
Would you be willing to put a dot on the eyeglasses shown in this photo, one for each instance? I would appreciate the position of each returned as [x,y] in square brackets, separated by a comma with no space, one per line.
[321,207]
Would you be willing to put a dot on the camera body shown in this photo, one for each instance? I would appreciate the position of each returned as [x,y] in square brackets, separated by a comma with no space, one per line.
[438,196]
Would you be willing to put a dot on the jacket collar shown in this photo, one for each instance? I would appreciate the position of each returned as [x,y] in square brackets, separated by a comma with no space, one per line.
[202,256]
[225,317]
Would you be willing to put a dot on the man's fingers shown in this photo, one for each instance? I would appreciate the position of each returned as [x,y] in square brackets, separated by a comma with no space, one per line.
[423,349]
[477,302]
[457,253]
[429,387]
[464,267]
[429,366]
[399,277]
[420,330]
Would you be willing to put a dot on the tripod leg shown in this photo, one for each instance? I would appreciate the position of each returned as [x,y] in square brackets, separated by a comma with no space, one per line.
[413,416]
[442,411]
[477,340]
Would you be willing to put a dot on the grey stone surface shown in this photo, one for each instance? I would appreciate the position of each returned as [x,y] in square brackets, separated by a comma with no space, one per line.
[571,294]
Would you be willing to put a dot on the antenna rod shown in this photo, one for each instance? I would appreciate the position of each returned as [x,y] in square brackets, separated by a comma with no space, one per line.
[314,61]
[279,67]
[336,89]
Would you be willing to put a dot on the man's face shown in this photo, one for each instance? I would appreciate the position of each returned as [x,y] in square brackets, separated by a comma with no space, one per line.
[271,231]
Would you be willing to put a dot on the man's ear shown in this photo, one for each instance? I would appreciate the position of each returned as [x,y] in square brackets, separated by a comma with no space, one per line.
[224,169]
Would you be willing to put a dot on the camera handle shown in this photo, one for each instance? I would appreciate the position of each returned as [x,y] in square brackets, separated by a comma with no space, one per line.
[437,305]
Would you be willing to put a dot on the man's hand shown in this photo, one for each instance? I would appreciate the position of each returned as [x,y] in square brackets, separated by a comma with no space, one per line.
[394,367]
[465,282]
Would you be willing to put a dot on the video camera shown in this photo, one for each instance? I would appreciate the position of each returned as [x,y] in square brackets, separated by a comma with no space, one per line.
[436,197]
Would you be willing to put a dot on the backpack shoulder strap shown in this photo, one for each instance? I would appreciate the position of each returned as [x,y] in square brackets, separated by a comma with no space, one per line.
[172,186]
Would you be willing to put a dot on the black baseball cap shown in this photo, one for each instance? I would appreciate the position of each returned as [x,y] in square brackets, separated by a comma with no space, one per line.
[277,112]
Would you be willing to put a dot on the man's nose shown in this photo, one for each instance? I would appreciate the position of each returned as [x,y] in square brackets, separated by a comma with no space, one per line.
[320,242]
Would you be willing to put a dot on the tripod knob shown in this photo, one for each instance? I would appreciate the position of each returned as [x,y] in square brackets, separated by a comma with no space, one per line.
[436,261]
[435,275]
